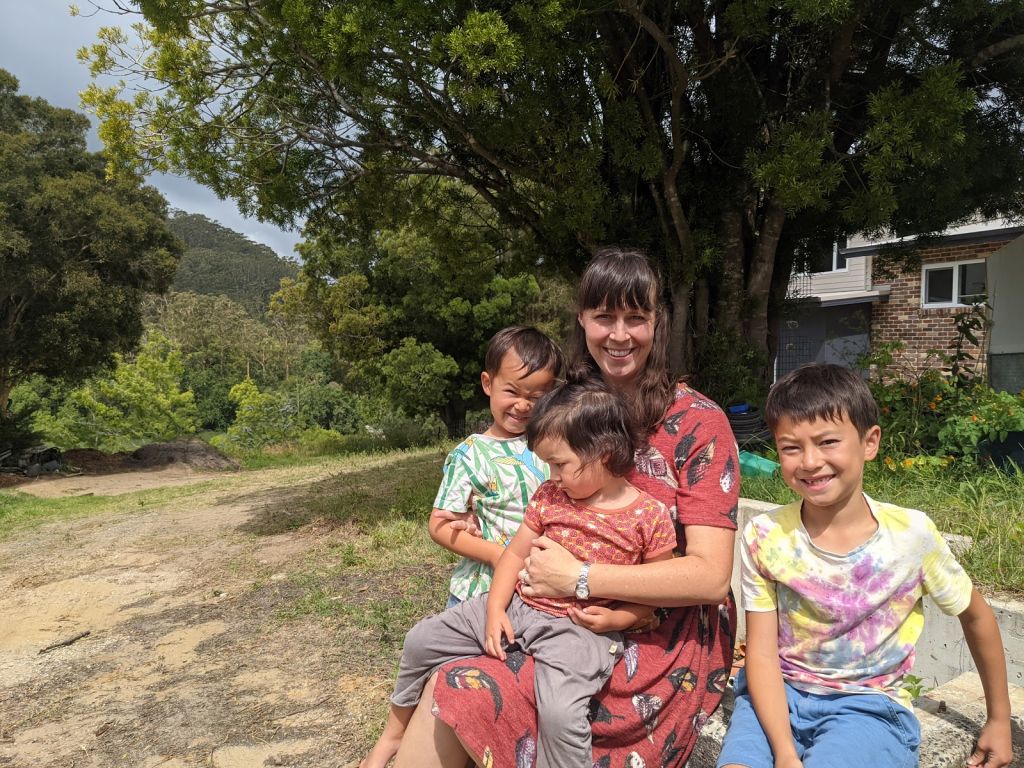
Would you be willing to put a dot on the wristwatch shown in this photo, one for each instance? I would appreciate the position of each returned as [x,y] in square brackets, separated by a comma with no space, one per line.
[583,583]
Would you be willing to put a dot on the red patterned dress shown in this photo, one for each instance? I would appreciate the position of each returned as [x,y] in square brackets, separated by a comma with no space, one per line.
[670,680]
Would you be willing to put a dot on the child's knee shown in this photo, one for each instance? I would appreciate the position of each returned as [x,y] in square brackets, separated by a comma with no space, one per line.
[558,717]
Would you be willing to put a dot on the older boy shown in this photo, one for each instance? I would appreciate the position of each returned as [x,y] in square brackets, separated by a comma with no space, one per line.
[832,587]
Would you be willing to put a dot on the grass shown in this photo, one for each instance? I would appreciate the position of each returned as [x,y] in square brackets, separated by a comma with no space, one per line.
[983,503]
[381,573]
[19,511]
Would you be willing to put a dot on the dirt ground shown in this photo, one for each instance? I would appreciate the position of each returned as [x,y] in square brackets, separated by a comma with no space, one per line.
[187,662]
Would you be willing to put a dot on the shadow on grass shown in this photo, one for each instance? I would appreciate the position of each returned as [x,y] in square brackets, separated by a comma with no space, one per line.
[400,489]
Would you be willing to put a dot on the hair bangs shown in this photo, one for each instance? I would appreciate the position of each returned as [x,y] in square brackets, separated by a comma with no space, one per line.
[623,280]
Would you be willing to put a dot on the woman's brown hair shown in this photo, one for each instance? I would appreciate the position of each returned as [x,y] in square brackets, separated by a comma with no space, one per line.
[619,278]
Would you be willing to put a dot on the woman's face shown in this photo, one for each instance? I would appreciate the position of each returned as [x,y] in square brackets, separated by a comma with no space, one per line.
[619,340]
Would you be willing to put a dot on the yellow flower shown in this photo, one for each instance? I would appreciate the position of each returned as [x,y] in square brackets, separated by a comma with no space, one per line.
[908,463]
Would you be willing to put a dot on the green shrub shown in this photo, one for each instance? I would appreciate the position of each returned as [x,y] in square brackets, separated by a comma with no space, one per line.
[261,418]
[983,415]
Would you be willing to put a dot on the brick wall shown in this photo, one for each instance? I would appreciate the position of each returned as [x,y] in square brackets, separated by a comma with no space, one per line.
[902,318]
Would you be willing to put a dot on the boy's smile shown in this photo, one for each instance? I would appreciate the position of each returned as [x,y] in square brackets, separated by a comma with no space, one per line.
[513,394]
[823,461]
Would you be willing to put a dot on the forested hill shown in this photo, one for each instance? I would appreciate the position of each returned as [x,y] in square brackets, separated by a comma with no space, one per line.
[218,260]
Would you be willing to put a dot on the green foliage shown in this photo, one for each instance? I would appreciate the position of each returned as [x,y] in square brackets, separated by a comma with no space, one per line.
[222,344]
[261,419]
[141,400]
[943,408]
[982,415]
[730,378]
[722,137]
[220,262]
[408,308]
[417,376]
[77,250]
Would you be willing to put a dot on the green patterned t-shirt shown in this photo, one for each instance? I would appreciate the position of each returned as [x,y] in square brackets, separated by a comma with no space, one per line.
[495,479]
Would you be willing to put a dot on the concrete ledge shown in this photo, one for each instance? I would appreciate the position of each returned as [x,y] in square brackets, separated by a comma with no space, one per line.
[951,716]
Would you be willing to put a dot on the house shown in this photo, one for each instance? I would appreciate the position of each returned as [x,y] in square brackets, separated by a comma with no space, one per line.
[846,305]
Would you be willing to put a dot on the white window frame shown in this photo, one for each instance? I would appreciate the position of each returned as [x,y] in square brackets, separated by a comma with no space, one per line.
[835,259]
[955,265]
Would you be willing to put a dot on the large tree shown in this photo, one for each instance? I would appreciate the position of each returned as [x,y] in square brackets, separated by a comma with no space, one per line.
[730,138]
[407,298]
[77,251]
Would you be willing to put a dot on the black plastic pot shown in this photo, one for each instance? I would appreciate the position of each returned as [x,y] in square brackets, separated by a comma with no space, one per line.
[748,426]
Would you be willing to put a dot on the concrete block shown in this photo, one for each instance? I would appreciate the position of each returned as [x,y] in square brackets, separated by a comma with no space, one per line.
[951,716]
[942,652]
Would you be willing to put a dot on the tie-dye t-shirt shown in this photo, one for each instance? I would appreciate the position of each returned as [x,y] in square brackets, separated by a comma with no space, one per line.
[494,478]
[848,623]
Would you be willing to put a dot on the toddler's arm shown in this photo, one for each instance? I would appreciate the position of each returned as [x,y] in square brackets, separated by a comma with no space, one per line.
[981,631]
[764,681]
[503,585]
[462,542]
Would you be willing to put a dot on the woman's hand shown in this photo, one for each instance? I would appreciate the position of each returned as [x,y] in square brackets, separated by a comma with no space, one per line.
[550,571]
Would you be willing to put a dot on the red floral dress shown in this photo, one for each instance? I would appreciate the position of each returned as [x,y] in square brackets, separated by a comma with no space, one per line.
[670,680]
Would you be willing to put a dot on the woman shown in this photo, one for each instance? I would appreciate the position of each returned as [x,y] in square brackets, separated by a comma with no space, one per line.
[672,677]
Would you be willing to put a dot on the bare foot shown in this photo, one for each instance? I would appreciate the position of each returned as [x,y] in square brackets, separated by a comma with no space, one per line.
[381,753]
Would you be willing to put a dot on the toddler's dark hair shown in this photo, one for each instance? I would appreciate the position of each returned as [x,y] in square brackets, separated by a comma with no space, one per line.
[594,422]
[537,351]
[822,391]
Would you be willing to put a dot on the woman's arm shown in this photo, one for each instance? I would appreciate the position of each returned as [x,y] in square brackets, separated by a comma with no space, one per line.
[701,576]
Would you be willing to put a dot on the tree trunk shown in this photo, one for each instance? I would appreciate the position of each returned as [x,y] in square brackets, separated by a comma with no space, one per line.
[680,350]
[759,283]
[727,313]
[6,385]
[454,417]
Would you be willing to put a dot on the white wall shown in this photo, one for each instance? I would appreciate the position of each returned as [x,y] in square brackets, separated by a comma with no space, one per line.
[855,277]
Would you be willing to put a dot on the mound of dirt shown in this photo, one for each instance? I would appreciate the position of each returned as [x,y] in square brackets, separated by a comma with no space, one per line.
[95,462]
[191,453]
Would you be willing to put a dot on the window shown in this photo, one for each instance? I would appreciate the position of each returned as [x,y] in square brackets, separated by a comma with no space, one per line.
[953,285]
[829,261]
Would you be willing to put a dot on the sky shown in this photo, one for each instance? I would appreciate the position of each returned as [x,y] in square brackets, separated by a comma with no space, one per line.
[38,42]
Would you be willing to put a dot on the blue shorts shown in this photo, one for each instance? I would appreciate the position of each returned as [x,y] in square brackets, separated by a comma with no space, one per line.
[452,601]
[841,730]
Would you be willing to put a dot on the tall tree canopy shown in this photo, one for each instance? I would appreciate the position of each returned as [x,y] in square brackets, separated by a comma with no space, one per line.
[728,137]
[77,251]
[409,297]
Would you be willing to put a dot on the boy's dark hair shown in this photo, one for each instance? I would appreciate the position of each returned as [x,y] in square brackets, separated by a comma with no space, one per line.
[594,422]
[822,391]
[537,351]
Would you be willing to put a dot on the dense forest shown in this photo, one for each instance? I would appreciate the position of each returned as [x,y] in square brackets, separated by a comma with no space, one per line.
[220,261]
